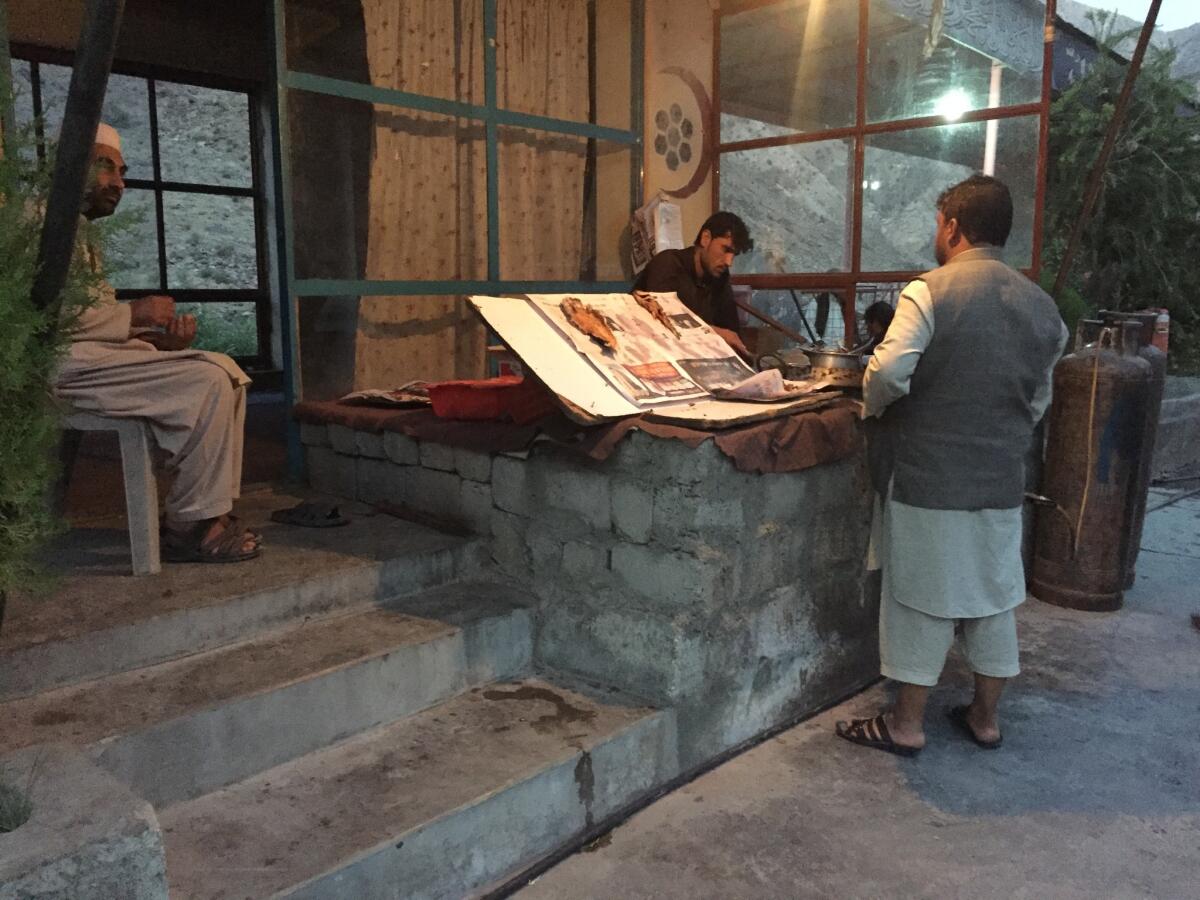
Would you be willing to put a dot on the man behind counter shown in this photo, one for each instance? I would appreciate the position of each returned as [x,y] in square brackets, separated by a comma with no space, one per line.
[700,274]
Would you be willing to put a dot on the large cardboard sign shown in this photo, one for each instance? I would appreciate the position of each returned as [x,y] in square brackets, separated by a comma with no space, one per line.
[669,371]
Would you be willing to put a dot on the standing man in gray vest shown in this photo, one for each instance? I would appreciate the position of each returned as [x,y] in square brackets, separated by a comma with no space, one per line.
[951,398]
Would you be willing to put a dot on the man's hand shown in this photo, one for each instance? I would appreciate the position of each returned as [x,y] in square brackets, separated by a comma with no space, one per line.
[155,311]
[178,335]
[733,340]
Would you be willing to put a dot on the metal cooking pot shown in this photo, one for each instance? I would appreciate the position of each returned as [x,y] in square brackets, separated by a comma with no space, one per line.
[844,367]
[793,364]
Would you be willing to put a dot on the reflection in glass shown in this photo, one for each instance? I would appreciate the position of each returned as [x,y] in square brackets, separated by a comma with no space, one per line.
[795,199]
[906,171]
[203,135]
[564,207]
[132,249]
[788,67]
[230,328]
[430,48]
[976,54]
[382,192]
[210,241]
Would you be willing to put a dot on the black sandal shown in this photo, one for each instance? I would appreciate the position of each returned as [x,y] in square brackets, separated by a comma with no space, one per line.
[873,733]
[311,514]
[226,547]
[958,718]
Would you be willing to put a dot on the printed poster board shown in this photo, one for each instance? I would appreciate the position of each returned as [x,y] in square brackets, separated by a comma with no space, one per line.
[651,370]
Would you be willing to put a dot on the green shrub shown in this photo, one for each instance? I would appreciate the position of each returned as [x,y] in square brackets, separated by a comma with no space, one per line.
[32,341]
[1140,248]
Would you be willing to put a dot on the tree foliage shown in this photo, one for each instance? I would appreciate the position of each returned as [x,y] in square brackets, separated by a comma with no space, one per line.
[1142,247]
[31,344]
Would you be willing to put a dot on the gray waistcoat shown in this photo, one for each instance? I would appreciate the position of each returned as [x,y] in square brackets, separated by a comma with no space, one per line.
[958,439]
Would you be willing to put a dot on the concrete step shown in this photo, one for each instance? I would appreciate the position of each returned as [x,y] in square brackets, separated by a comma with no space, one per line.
[438,805]
[179,729]
[99,622]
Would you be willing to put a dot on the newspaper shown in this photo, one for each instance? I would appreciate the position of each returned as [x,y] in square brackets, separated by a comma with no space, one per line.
[650,364]
[655,227]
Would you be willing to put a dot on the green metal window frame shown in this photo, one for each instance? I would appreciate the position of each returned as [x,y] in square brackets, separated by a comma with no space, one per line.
[493,116]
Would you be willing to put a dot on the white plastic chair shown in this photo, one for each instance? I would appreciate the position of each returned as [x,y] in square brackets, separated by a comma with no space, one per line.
[141,490]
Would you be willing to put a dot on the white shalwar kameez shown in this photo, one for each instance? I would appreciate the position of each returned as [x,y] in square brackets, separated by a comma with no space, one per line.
[194,402]
[945,564]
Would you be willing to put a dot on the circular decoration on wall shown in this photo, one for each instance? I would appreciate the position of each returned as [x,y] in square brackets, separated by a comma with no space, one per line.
[680,150]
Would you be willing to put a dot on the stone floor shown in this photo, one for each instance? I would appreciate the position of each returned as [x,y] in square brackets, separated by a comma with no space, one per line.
[1096,792]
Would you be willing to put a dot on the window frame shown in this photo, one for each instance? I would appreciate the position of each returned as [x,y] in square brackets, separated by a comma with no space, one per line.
[494,116]
[848,282]
[260,295]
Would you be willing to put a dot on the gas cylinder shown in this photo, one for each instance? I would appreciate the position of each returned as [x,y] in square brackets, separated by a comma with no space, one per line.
[1096,426]
[1148,351]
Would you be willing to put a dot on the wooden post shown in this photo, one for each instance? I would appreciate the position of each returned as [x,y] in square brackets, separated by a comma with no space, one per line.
[1095,182]
[89,80]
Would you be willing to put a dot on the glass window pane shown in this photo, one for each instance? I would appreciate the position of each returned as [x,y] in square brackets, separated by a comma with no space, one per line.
[978,55]
[817,315]
[230,328]
[210,241]
[430,48]
[543,49]
[23,101]
[564,207]
[353,343]
[907,170]
[203,135]
[381,192]
[132,245]
[54,81]
[788,68]
[126,108]
[795,199]
[23,89]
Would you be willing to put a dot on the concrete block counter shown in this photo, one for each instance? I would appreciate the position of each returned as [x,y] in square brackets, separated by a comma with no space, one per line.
[735,598]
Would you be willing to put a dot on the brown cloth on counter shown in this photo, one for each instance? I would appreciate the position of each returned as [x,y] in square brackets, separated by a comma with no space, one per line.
[785,444]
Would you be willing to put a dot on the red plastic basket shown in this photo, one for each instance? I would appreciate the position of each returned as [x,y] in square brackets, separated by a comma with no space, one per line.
[491,399]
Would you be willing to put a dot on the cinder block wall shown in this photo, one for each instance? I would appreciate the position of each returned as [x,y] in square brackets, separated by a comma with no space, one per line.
[738,599]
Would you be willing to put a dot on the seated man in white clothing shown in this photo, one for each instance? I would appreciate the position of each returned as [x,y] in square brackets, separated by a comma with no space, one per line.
[951,398]
[132,360]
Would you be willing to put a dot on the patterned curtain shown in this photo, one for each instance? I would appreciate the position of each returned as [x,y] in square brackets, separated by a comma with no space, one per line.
[428,181]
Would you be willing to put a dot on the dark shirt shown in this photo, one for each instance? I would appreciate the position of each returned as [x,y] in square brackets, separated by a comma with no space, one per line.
[709,298]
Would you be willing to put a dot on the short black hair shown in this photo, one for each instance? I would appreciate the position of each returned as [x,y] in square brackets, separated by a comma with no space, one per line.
[880,311]
[726,224]
[983,207]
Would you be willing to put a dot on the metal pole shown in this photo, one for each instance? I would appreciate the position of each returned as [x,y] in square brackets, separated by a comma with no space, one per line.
[89,79]
[1095,182]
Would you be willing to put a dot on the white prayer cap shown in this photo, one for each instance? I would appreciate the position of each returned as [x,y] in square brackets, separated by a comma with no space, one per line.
[107,135]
